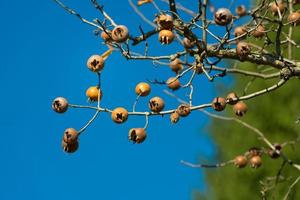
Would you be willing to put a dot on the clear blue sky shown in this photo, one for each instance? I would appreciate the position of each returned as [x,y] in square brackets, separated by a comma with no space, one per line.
[43,51]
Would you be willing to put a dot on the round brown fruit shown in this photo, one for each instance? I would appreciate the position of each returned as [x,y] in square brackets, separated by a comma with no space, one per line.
[173,83]
[137,135]
[273,153]
[275,7]
[232,98]
[240,108]
[176,65]
[183,110]
[156,104]
[223,17]
[120,33]
[164,21]
[294,18]
[70,136]
[174,117]
[143,89]
[240,30]
[241,11]
[243,49]
[119,115]
[166,36]
[60,105]
[255,161]
[218,104]
[95,63]
[94,93]
[258,32]
[240,161]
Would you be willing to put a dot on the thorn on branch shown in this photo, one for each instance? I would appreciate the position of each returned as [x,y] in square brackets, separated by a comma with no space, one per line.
[143,37]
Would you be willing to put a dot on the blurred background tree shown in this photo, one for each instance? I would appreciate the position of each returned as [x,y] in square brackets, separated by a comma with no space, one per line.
[275,115]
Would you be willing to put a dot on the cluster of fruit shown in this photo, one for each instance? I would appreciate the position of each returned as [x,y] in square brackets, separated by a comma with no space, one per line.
[254,156]
[166,27]
[120,115]
[239,107]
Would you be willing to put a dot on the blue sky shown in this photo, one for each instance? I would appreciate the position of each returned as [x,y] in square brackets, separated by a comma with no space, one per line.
[43,54]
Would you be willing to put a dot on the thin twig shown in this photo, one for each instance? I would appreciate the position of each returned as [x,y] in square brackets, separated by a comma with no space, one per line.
[290,188]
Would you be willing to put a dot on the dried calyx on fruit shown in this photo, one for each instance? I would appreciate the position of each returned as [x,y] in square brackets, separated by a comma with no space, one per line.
[243,49]
[273,152]
[223,17]
[240,108]
[156,104]
[166,36]
[70,148]
[173,83]
[176,65]
[183,110]
[164,21]
[254,151]
[137,135]
[218,104]
[120,33]
[60,105]
[119,115]
[95,63]
[232,98]
[241,11]
[70,136]
[142,89]
[94,93]
[255,161]
[240,161]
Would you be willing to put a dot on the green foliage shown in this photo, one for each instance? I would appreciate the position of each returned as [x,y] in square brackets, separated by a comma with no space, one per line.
[274,114]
